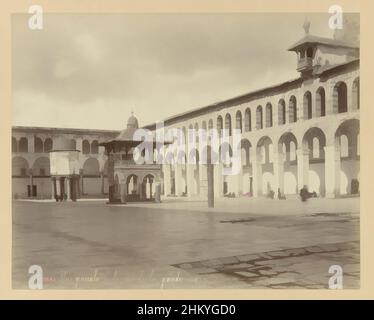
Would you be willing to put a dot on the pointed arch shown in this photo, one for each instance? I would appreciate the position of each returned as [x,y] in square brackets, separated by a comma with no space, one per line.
[281,112]
[238,122]
[269,115]
[320,102]
[307,106]
[23,145]
[247,120]
[340,103]
[259,120]
[228,123]
[292,110]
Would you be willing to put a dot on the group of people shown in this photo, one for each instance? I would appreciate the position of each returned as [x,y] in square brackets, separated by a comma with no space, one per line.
[304,194]
[230,195]
[271,194]
[62,197]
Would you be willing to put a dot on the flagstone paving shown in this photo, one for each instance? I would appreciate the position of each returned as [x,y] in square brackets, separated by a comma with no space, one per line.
[306,267]
[92,245]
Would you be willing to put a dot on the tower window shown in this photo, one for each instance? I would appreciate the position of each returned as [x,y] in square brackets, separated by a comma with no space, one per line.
[309,52]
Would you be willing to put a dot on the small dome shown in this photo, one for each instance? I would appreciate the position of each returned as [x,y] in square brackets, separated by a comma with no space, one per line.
[132,122]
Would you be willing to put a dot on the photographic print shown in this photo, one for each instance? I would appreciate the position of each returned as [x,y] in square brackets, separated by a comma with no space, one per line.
[185,150]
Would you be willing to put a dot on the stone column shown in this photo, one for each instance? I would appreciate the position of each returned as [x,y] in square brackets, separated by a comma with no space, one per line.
[102,182]
[203,176]
[123,192]
[31,177]
[351,105]
[302,168]
[110,176]
[62,187]
[81,181]
[190,180]
[167,179]
[332,171]
[218,181]
[58,187]
[279,172]
[54,188]
[179,189]
[256,172]
[78,187]
[31,144]
[68,188]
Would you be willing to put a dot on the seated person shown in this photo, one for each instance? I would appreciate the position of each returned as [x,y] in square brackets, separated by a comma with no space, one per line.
[305,194]
[280,195]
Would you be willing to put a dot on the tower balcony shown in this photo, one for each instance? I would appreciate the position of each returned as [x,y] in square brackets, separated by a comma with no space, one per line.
[304,64]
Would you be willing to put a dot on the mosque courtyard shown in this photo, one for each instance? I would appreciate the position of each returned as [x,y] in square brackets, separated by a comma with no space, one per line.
[180,243]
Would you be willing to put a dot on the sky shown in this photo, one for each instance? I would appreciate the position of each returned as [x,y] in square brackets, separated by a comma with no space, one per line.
[92,70]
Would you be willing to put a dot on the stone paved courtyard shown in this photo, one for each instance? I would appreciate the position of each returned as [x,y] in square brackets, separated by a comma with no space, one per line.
[174,245]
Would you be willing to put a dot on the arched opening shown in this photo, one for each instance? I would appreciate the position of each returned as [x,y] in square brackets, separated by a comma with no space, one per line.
[265,168]
[38,145]
[287,146]
[20,167]
[344,153]
[281,112]
[315,148]
[48,145]
[85,147]
[320,102]
[14,145]
[94,147]
[91,168]
[313,175]
[245,146]
[239,124]
[132,188]
[20,172]
[41,167]
[210,124]
[219,124]
[307,105]
[148,187]
[348,168]
[259,123]
[292,110]
[340,98]
[356,94]
[269,115]
[228,123]
[91,180]
[309,52]
[225,152]
[247,120]
[23,145]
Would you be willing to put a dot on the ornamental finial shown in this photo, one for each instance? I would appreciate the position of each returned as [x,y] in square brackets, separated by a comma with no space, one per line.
[306,26]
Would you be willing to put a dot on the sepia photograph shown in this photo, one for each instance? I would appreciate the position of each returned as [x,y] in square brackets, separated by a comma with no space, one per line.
[185,150]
